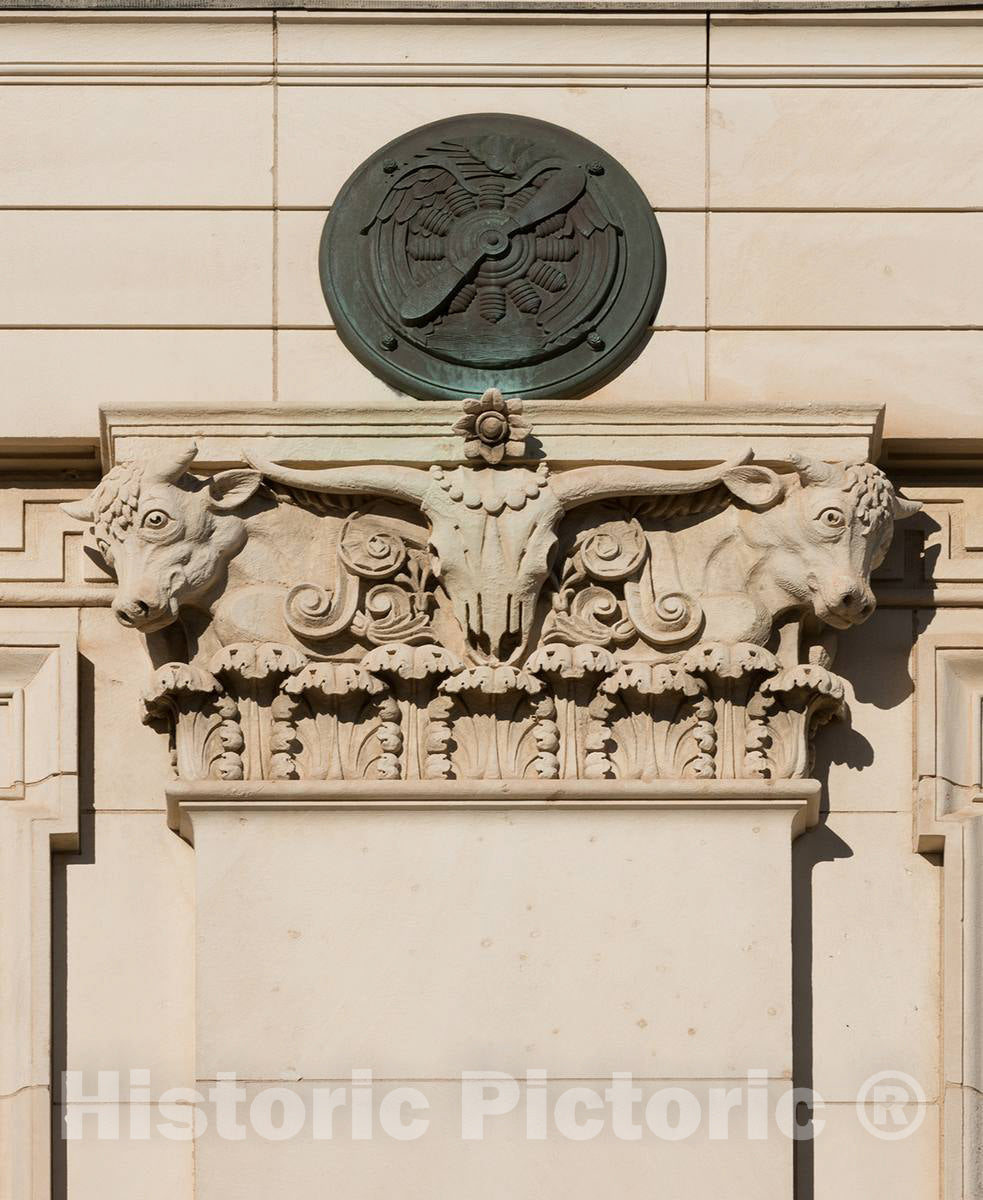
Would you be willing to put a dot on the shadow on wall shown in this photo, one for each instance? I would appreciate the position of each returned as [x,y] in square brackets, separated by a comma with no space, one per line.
[875,660]
[85,855]
[820,845]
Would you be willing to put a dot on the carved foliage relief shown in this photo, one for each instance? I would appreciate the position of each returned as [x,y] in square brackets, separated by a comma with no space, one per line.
[494,620]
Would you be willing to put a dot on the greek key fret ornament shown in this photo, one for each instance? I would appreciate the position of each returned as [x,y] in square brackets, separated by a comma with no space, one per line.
[492,249]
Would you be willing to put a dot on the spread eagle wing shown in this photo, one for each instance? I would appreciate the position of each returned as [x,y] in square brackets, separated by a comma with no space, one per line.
[591,233]
[417,188]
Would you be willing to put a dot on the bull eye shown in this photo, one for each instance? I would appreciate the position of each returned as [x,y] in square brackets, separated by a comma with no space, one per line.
[156,519]
[832,518]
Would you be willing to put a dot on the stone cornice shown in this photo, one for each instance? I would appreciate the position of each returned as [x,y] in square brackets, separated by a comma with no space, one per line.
[419,432]
[800,797]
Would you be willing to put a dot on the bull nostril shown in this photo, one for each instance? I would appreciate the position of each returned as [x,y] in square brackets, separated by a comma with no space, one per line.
[132,612]
[849,599]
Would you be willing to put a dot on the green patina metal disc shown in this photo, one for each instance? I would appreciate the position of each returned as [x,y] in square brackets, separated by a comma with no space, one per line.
[492,250]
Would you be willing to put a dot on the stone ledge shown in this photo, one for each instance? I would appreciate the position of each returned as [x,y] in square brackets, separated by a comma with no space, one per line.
[404,430]
[800,797]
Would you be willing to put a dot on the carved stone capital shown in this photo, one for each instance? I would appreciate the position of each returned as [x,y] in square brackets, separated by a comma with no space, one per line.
[494,618]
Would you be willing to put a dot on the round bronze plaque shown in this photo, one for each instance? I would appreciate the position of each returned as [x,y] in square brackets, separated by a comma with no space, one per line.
[492,251]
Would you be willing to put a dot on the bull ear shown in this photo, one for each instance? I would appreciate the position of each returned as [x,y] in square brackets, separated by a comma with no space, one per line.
[79,510]
[905,508]
[229,489]
[758,487]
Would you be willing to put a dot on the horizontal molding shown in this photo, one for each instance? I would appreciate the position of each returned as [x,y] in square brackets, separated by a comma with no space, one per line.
[56,595]
[490,75]
[847,75]
[127,9]
[715,794]
[796,800]
[419,432]
[470,75]
[158,74]
[448,74]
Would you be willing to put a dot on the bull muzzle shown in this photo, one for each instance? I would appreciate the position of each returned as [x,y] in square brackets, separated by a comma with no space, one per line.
[843,603]
[144,615]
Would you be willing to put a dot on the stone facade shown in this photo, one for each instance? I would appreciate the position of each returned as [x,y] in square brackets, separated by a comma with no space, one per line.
[345,732]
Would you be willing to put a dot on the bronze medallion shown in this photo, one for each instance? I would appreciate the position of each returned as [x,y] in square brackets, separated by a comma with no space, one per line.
[492,250]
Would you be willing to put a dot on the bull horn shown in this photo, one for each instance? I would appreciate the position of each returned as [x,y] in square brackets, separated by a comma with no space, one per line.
[406,484]
[79,510]
[168,468]
[810,470]
[902,508]
[585,484]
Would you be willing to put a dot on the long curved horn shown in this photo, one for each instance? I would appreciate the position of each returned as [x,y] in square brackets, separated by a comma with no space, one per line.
[408,484]
[584,484]
[810,470]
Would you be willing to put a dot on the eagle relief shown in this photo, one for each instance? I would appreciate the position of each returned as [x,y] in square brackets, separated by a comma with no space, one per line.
[492,246]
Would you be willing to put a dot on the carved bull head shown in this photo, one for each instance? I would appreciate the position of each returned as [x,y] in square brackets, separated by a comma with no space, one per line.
[828,527]
[166,534]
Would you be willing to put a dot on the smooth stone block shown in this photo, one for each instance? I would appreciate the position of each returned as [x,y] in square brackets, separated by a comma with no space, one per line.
[120,37]
[815,147]
[866,761]
[136,268]
[130,905]
[505,1161]
[425,943]
[658,134]
[845,269]
[125,146]
[467,43]
[57,379]
[850,1160]
[94,1168]
[820,39]
[928,380]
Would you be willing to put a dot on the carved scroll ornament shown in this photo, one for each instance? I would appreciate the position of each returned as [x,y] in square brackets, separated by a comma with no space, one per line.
[493,620]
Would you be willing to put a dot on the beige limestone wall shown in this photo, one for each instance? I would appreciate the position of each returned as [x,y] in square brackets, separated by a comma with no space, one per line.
[163,180]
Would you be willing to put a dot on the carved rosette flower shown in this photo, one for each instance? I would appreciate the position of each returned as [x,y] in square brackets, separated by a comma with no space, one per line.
[493,428]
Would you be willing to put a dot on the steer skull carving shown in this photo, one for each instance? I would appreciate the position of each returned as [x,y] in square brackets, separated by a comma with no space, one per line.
[493,530]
